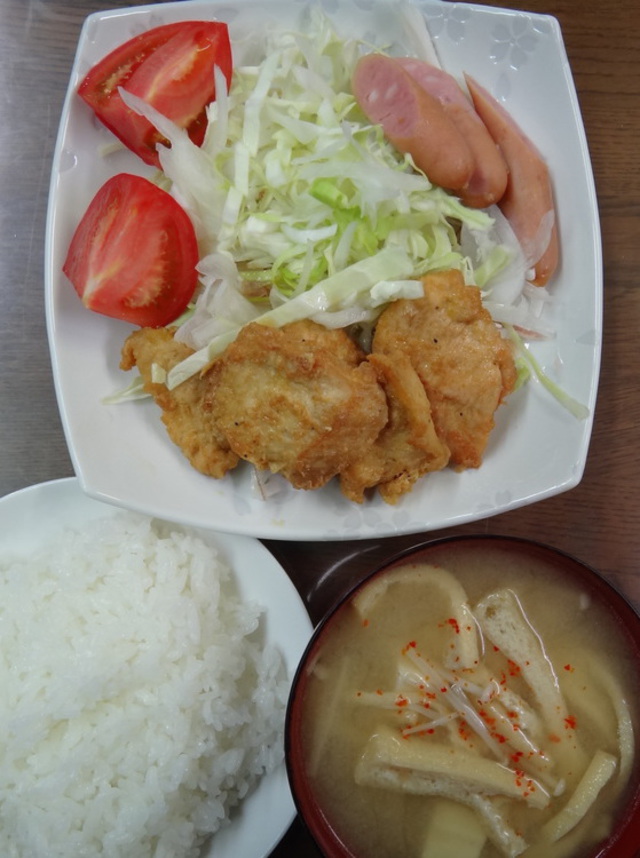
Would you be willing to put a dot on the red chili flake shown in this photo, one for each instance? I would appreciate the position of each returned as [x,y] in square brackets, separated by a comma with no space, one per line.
[454,624]
[514,668]
[379,691]
[570,722]
[569,668]
[443,689]
[512,714]
[517,756]
[488,719]
[496,648]
[463,731]
[365,623]
[430,731]
[402,701]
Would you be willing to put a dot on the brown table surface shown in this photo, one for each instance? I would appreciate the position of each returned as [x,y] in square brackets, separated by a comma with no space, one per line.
[599,520]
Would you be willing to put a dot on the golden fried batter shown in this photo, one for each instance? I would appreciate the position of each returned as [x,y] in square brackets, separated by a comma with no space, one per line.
[464,363]
[408,447]
[299,400]
[186,410]
[306,402]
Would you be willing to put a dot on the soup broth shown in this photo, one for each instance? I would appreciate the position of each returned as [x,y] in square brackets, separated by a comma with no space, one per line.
[472,708]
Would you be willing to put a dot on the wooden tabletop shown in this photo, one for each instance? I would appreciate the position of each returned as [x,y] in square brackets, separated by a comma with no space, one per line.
[598,521]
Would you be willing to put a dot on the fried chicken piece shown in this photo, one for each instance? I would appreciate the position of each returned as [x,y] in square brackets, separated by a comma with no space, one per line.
[464,363]
[300,400]
[186,410]
[408,447]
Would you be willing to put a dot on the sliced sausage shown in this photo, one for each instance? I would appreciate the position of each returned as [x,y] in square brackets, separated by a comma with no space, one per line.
[528,200]
[488,181]
[413,120]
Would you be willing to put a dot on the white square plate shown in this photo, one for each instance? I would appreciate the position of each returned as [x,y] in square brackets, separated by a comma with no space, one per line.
[122,454]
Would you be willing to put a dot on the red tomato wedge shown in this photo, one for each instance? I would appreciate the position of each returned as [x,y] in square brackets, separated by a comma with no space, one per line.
[171,68]
[133,255]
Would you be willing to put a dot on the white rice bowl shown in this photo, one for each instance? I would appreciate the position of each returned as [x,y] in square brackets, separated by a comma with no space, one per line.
[139,703]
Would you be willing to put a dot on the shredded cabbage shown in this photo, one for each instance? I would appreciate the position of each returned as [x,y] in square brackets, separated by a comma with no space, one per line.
[293,186]
[353,285]
[528,367]
[293,192]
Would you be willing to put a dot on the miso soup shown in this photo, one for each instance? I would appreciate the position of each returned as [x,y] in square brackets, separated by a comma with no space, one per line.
[477,705]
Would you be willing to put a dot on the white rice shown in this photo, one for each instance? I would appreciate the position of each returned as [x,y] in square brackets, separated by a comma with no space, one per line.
[138,702]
